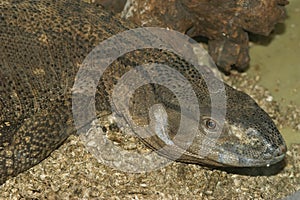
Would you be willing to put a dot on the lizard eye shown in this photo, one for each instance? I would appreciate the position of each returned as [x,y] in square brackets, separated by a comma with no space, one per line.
[210,124]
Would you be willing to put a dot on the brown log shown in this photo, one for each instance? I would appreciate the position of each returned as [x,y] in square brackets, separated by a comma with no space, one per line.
[225,23]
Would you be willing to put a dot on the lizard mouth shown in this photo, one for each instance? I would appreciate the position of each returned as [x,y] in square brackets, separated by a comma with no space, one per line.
[268,158]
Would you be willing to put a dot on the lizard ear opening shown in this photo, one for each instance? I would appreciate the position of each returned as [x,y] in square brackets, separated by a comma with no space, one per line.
[159,123]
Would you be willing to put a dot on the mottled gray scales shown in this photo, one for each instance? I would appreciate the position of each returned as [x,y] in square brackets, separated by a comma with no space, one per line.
[42,45]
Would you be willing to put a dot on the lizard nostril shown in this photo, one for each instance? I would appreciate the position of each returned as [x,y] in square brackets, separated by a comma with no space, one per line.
[282,149]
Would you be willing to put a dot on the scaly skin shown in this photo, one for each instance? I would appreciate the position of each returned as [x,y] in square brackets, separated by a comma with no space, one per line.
[42,45]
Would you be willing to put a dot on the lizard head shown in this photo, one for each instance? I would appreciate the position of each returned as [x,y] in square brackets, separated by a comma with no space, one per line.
[229,131]
[242,136]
